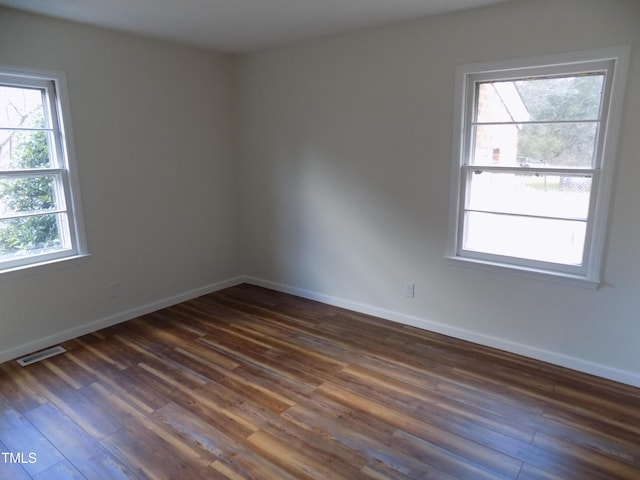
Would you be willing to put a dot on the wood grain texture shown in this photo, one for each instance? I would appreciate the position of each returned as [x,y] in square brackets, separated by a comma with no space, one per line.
[247,383]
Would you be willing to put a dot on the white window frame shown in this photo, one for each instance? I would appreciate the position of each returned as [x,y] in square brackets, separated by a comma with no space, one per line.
[57,109]
[614,61]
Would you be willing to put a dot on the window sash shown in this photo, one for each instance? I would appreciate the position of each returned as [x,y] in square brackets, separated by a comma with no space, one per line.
[473,80]
[578,269]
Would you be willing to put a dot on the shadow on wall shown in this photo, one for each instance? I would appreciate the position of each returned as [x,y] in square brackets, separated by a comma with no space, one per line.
[339,231]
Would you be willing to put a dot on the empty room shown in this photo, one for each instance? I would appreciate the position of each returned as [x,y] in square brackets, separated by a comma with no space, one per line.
[297,239]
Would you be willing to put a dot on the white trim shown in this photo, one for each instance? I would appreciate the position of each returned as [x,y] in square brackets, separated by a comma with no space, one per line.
[105,322]
[538,274]
[616,60]
[67,143]
[585,366]
[43,266]
[58,110]
[561,60]
[560,359]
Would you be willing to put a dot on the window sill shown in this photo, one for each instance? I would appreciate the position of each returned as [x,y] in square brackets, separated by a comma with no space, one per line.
[37,268]
[537,274]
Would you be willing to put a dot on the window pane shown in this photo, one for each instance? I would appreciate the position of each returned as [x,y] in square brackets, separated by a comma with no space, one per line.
[563,98]
[20,149]
[27,194]
[29,236]
[500,102]
[563,145]
[547,240]
[530,194]
[542,99]
[21,107]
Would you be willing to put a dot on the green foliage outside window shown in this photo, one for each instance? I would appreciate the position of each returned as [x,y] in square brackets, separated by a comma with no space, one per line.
[573,99]
[29,194]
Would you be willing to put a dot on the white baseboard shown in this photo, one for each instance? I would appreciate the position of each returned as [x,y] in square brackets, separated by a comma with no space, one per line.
[560,359]
[105,322]
[581,365]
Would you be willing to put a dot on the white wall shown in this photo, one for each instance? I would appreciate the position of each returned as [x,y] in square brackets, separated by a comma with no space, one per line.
[345,145]
[152,136]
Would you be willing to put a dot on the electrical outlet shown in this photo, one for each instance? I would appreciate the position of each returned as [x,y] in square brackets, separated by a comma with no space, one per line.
[114,289]
[409,289]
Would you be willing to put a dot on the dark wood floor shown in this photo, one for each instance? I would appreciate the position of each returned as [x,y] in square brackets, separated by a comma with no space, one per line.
[251,384]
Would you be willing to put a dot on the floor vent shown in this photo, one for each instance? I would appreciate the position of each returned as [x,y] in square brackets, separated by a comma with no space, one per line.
[36,357]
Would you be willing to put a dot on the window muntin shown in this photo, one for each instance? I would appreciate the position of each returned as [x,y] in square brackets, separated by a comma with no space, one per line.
[535,139]
[39,212]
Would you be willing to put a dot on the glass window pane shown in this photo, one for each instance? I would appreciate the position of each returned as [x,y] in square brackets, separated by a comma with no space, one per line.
[500,102]
[547,240]
[530,194]
[27,194]
[29,236]
[563,98]
[25,149]
[563,145]
[541,99]
[21,107]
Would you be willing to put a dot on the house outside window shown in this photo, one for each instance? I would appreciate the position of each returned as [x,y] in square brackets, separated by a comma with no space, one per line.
[40,215]
[533,160]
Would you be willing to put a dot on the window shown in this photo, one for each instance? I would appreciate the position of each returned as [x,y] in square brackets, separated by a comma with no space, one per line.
[534,151]
[40,218]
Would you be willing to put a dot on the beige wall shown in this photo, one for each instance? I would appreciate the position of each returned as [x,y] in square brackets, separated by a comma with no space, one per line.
[346,154]
[344,150]
[152,141]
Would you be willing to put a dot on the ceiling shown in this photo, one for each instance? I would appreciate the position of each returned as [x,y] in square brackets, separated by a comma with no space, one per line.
[235,26]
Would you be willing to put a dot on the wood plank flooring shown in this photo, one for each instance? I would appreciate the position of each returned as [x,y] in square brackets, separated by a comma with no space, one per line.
[247,383]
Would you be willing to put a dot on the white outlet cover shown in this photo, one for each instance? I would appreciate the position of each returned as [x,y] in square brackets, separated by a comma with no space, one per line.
[409,289]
